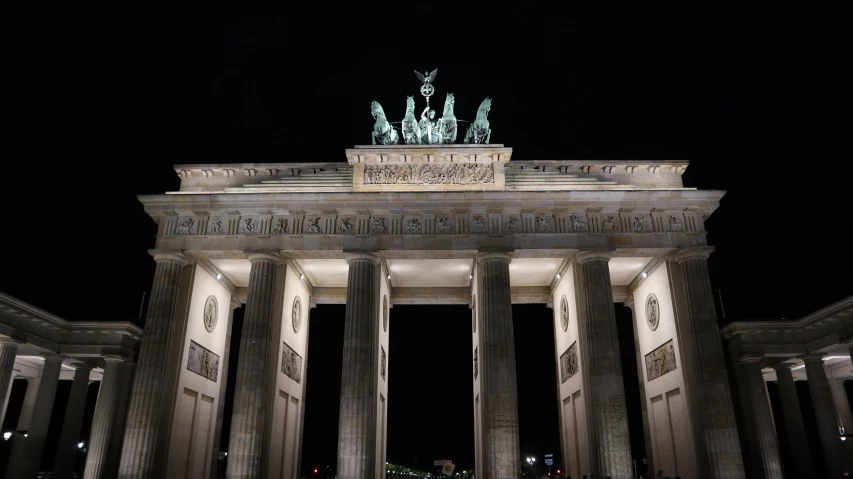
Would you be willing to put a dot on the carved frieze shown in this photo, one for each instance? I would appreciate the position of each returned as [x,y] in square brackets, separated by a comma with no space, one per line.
[610,223]
[346,225]
[313,225]
[478,224]
[291,363]
[660,361]
[675,223]
[377,225]
[543,224]
[414,226]
[186,226]
[577,223]
[383,364]
[476,359]
[512,224]
[444,224]
[281,225]
[569,363]
[203,361]
[217,226]
[642,224]
[249,226]
[429,174]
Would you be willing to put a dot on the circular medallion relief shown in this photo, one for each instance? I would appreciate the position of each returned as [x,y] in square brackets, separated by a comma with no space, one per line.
[474,314]
[211,313]
[385,313]
[652,311]
[297,314]
[564,313]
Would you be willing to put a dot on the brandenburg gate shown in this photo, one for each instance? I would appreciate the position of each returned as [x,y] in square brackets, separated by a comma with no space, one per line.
[428,224]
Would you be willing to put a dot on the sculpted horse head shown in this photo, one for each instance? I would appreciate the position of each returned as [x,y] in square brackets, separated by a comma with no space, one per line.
[411,130]
[448,104]
[410,105]
[483,111]
[377,111]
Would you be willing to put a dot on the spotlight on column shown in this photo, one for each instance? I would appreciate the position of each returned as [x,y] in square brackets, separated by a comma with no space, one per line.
[645,275]
[470,276]
[388,277]
[79,445]
[26,434]
[218,276]
[7,435]
[559,276]
[301,275]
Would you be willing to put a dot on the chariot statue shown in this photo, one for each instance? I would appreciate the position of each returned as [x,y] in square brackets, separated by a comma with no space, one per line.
[383,132]
[479,131]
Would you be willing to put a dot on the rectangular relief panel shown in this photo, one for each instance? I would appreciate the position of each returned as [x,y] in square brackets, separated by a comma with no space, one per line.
[660,361]
[569,362]
[383,362]
[203,361]
[291,363]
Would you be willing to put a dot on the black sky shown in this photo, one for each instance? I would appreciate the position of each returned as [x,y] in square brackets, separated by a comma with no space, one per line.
[106,98]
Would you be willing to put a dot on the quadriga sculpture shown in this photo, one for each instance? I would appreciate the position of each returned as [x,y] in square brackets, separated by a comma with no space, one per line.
[447,126]
[411,130]
[383,132]
[479,131]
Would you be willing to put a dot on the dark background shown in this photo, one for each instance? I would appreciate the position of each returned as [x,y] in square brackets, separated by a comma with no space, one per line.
[104,99]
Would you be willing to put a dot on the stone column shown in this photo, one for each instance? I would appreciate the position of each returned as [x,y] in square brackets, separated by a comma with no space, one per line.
[26,414]
[610,443]
[248,418]
[27,451]
[760,429]
[716,416]
[8,351]
[793,418]
[66,451]
[223,386]
[647,434]
[144,415]
[844,417]
[357,427]
[825,415]
[107,432]
[498,389]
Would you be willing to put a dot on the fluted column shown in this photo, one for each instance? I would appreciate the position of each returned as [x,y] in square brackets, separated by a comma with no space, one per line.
[647,432]
[716,417]
[107,431]
[251,391]
[606,396]
[793,419]
[27,451]
[825,416]
[498,387]
[144,419]
[844,417]
[761,430]
[8,351]
[66,451]
[223,387]
[357,427]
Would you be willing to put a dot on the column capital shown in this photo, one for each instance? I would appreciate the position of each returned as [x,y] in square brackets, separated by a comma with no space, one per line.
[362,256]
[53,356]
[629,301]
[590,255]
[685,254]
[9,341]
[82,366]
[113,358]
[782,366]
[165,255]
[835,379]
[750,358]
[263,256]
[812,357]
[235,303]
[504,256]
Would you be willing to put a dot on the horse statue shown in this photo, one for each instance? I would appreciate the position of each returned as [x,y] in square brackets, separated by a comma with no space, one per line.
[479,131]
[411,130]
[447,124]
[383,132]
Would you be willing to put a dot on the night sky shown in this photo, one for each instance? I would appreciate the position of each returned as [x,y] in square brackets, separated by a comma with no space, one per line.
[105,99]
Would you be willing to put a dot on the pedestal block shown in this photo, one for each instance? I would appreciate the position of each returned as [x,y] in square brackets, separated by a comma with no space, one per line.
[27,451]
[357,428]
[67,450]
[717,428]
[144,416]
[248,421]
[498,390]
[793,418]
[107,433]
[611,447]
